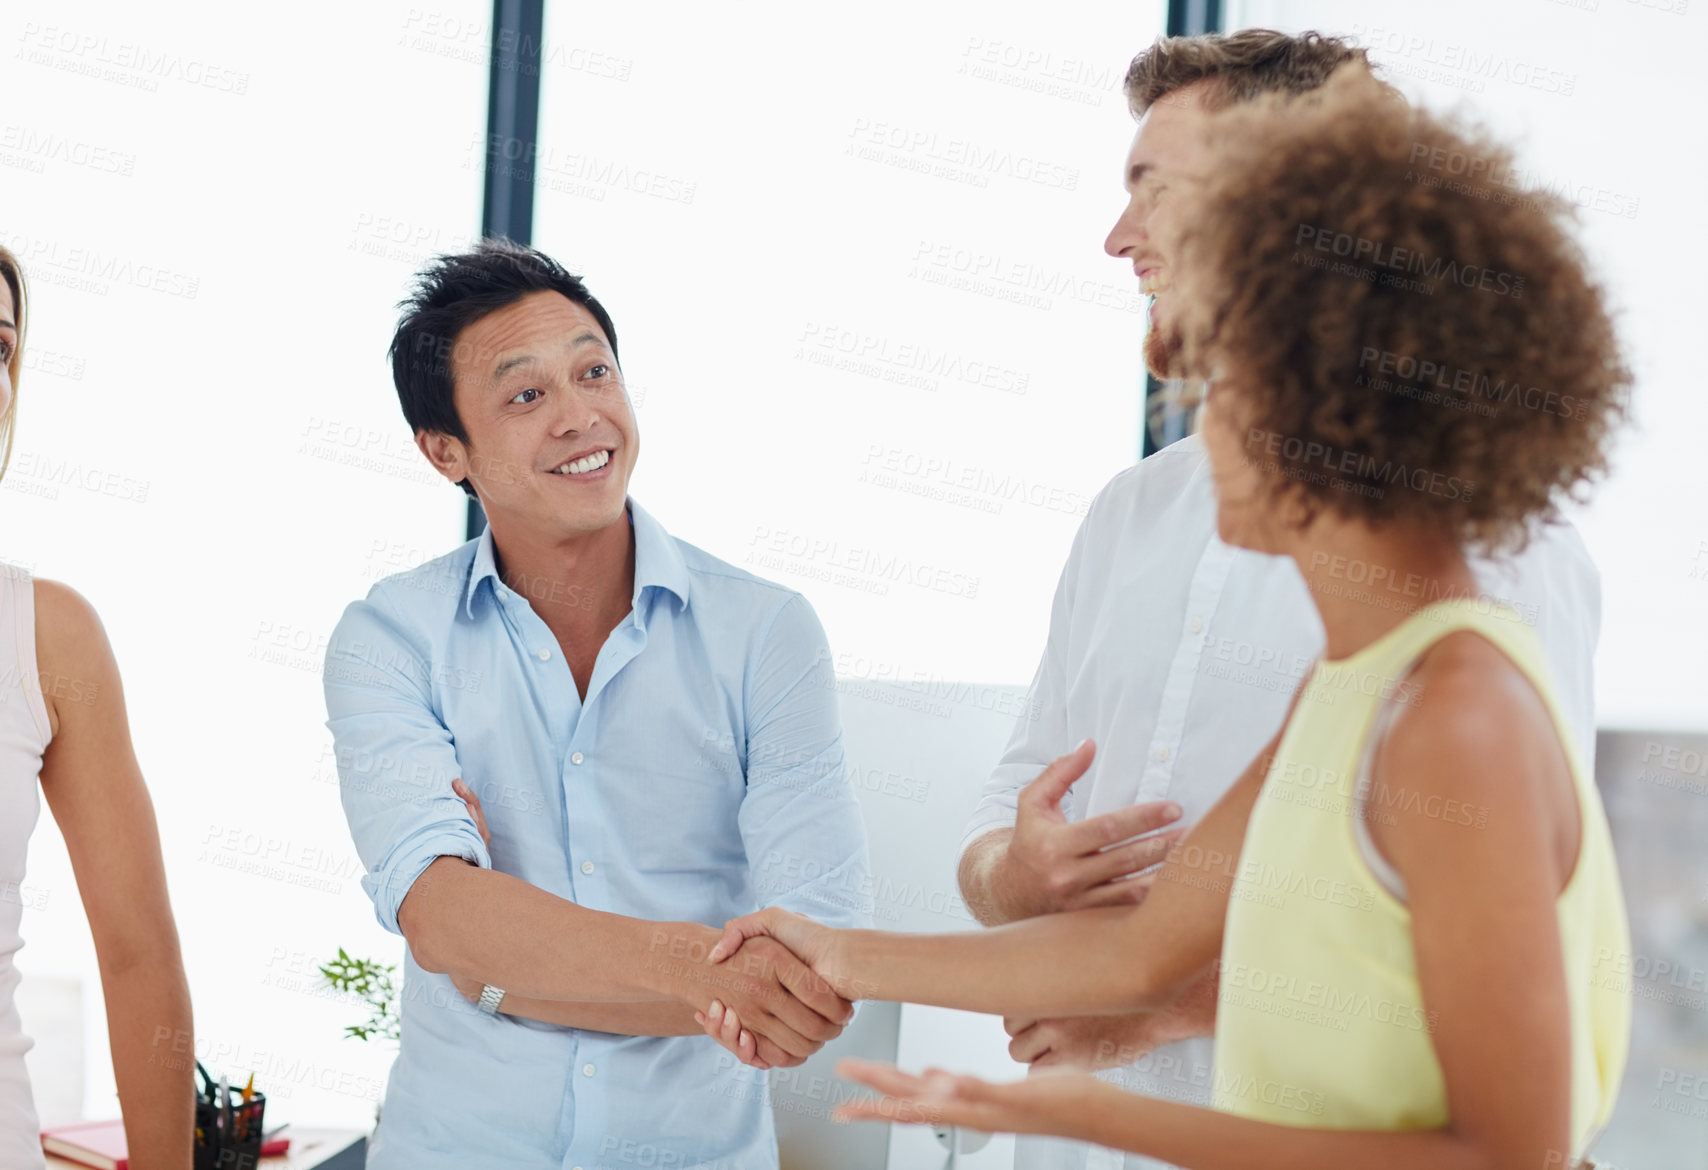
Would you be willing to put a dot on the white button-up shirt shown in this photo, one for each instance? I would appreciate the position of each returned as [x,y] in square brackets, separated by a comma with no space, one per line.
[1178,655]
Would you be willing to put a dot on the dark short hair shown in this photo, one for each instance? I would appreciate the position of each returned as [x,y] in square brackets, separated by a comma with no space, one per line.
[453,292]
[1241,65]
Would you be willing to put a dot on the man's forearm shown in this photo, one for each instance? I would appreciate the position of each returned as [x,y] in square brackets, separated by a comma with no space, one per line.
[503,931]
[981,878]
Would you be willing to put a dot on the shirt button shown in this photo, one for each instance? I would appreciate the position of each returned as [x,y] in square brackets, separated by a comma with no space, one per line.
[1162,755]
[1195,625]
[587,867]
[586,1070]
[576,758]
[543,653]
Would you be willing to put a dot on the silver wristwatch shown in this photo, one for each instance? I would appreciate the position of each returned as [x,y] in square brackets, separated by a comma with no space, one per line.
[490,997]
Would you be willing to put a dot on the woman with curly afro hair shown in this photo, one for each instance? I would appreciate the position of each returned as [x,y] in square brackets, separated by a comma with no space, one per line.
[1412,891]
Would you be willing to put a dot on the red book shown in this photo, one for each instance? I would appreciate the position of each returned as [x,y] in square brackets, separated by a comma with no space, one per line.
[100,1144]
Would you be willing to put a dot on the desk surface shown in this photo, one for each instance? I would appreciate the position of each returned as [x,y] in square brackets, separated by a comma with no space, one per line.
[306,1144]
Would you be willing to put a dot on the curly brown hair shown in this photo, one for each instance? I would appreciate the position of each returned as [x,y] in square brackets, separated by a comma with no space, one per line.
[1399,344]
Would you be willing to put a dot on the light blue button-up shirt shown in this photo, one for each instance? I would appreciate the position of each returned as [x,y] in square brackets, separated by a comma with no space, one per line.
[701,779]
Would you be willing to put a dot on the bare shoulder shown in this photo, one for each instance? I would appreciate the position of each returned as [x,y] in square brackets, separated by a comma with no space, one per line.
[1469,701]
[68,629]
[1473,747]
[73,655]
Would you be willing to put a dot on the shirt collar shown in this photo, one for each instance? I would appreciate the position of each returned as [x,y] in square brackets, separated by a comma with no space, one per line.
[658,560]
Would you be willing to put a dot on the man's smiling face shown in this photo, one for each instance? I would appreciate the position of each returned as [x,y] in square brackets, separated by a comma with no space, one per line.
[1166,156]
[552,436]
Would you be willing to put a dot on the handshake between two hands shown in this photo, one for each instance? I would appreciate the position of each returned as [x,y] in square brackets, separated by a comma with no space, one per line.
[803,999]
[755,989]
[776,985]
[1049,865]
[782,995]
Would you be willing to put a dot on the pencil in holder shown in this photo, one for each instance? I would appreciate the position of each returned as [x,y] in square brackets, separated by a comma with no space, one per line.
[228,1129]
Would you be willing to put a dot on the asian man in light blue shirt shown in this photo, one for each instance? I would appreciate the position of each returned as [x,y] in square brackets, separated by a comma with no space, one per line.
[653,738]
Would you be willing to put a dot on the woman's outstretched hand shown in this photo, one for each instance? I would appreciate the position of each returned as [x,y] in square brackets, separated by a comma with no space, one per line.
[1045,1103]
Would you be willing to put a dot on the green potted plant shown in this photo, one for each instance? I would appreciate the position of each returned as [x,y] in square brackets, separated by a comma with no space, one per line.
[375,985]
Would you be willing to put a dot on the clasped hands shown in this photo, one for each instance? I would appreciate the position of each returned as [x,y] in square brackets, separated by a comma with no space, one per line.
[1049,865]
[1039,1104]
[775,985]
[804,955]
[773,1009]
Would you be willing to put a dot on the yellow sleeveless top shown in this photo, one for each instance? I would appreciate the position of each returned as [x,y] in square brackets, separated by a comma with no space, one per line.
[1321,1021]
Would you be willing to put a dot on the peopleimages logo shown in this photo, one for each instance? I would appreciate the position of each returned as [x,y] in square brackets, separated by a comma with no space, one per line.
[1418,55]
[963,152]
[1413,371]
[1408,260]
[1302,454]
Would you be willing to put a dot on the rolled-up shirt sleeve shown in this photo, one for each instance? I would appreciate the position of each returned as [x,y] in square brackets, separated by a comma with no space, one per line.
[1040,734]
[396,758]
[800,819]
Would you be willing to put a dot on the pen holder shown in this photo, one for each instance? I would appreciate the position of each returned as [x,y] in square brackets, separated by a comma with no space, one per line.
[227,1138]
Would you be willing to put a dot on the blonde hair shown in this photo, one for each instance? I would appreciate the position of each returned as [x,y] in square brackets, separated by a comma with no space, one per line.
[13,274]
